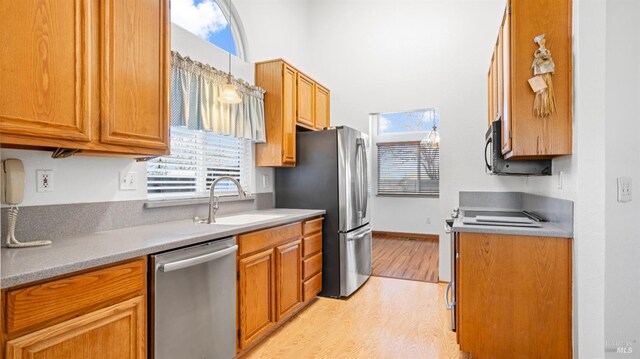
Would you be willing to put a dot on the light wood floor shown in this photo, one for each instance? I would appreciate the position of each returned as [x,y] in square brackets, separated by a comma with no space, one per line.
[386,318]
[405,258]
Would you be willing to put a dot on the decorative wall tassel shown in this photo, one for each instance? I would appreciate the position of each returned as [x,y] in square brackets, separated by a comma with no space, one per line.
[543,66]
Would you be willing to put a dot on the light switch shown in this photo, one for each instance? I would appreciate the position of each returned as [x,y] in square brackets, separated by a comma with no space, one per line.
[128,181]
[624,189]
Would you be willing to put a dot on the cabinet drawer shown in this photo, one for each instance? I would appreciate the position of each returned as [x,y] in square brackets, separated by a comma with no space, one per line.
[312,265]
[312,226]
[312,287]
[61,299]
[311,244]
[255,241]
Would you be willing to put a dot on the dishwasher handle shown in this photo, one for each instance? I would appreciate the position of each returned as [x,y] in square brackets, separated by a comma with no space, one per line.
[190,262]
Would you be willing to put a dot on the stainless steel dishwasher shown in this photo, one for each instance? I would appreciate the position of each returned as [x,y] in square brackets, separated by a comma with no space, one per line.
[193,302]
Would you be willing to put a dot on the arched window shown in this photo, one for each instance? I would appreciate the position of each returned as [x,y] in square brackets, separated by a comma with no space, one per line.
[209,20]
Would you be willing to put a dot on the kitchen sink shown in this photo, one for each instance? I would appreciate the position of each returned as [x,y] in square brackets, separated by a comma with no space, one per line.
[241,219]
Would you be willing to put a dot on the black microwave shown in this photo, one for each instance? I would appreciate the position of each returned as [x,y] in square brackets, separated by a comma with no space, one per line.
[495,163]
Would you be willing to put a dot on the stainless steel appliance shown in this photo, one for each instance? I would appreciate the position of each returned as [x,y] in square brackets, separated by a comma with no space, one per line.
[495,163]
[331,173]
[193,305]
[450,292]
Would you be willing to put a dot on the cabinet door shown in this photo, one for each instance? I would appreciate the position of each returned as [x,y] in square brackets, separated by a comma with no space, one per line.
[43,69]
[305,101]
[289,116]
[494,79]
[499,77]
[491,89]
[506,79]
[115,332]
[489,93]
[289,278]
[514,296]
[322,112]
[256,296]
[135,73]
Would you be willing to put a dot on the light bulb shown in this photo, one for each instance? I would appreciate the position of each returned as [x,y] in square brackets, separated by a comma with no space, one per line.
[229,94]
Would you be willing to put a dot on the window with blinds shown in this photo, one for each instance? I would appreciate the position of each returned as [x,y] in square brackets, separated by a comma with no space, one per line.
[408,168]
[197,158]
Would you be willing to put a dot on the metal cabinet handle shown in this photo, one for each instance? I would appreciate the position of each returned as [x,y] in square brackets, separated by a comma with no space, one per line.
[448,304]
[190,262]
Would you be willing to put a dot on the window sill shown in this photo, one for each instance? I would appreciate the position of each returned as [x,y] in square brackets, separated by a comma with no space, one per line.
[174,202]
[426,195]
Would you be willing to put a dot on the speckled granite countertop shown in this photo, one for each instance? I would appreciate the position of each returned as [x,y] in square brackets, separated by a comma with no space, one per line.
[548,229]
[75,253]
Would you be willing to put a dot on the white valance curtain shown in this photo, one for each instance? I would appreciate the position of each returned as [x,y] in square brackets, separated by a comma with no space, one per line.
[194,101]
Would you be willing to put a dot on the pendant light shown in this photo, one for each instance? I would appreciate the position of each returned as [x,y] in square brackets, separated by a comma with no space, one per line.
[229,93]
[432,140]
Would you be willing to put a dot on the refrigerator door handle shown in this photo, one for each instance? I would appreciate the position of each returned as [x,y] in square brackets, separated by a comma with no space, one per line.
[359,178]
[365,182]
[359,234]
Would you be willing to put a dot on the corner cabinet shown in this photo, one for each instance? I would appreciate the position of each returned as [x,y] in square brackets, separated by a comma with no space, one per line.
[292,100]
[99,313]
[510,98]
[513,296]
[96,79]
[271,278]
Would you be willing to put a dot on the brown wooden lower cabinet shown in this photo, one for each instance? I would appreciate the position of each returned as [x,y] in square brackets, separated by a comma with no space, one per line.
[95,314]
[116,332]
[271,278]
[289,274]
[256,296]
[514,296]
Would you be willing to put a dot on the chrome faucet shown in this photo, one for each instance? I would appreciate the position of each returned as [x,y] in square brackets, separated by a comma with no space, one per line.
[214,200]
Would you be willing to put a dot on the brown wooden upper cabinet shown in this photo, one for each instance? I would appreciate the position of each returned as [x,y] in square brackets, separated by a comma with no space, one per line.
[291,99]
[322,107]
[305,114]
[85,75]
[524,135]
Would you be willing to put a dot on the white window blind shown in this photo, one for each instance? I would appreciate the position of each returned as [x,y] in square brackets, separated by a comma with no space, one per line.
[197,158]
[408,168]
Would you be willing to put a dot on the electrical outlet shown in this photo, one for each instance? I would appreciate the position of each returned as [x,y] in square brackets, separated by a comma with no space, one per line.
[624,189]
[44,180]
[128,181]
[428,220]
[265,181]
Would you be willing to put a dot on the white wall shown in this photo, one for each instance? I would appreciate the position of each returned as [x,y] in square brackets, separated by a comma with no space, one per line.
[277,29]
[78,179]
[622,258]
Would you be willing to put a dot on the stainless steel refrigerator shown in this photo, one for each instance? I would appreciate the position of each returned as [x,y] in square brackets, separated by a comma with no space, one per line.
[332,173]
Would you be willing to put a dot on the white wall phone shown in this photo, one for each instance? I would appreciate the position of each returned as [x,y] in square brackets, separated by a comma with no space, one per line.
[13,194]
